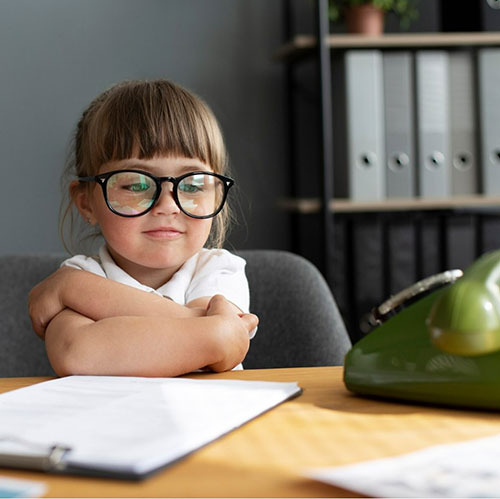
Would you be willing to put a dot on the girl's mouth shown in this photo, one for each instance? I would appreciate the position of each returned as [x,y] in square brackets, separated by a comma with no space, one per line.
[163,233]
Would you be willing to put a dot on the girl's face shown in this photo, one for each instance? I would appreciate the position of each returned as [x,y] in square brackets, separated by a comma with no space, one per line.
[151,247]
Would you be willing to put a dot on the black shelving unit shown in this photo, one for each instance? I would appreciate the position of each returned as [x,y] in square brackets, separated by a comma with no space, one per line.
[325,142]
[326,230]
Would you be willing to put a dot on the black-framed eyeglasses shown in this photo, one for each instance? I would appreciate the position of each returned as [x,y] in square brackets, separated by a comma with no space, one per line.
[132,193]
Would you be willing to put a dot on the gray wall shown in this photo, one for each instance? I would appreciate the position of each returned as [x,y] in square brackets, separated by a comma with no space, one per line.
[56,55]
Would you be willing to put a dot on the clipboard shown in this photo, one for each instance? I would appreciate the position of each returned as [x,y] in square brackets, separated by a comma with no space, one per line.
[125,427]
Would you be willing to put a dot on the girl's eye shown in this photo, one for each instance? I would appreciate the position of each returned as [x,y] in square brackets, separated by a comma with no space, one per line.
[137,187]
[190,188]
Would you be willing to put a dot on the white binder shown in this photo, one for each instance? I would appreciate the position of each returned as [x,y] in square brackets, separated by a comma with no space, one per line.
[399,124]
[462,123]
[489,102]
[365,124]
[431,67]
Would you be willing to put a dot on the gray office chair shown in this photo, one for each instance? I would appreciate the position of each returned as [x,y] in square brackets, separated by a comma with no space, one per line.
[300,324]
[299,321]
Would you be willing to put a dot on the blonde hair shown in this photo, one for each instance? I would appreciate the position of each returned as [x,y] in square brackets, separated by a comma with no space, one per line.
[145,119]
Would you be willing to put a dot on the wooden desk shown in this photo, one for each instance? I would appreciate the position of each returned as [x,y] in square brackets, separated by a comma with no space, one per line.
[326,425]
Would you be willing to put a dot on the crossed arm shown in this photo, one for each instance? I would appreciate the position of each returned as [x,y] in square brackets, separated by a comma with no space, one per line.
[93,325]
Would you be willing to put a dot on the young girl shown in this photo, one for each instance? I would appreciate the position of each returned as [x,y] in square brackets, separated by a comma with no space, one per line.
[148,169]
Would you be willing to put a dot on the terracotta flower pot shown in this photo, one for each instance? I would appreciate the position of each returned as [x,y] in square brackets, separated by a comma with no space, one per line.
[365,19]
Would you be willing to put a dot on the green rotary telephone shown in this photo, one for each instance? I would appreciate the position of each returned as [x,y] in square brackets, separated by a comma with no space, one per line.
[442,348]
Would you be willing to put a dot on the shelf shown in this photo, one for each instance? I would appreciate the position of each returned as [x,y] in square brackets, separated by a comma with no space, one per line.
[303,45]
[313,205]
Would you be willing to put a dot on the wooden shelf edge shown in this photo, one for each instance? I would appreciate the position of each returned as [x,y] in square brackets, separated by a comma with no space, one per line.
[313,205]
[301,45]
[296,48]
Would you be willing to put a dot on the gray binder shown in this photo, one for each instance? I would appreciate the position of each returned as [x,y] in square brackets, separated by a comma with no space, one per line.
[399,124]
[489,92]
[365,124]
[462,123]
[431,69]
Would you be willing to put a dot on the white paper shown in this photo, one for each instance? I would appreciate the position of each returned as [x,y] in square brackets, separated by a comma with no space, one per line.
[466,469]
[11,487]
[130,425]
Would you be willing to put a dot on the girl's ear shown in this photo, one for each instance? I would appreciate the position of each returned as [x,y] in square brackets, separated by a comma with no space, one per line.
[80,195]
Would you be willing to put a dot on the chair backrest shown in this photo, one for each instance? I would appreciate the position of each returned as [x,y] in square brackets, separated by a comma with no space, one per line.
[300,324]
[22,352]
[299,321]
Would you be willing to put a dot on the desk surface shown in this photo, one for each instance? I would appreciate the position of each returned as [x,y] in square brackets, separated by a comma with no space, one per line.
[326,425]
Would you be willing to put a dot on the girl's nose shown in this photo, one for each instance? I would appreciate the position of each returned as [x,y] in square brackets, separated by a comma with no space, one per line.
[166,205]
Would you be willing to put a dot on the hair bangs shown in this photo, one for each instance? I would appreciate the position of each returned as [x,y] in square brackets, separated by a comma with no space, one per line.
[151,120]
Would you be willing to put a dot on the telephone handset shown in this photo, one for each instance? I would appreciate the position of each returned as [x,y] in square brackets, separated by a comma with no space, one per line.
[465,320]
[437,341]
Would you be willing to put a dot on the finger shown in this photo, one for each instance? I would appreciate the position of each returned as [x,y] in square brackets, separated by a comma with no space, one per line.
[217,299]
[35,324]
[38,328]
[215,303]
[251,321]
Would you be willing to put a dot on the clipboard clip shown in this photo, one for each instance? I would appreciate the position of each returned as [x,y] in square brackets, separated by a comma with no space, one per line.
[55,459]
[52,459]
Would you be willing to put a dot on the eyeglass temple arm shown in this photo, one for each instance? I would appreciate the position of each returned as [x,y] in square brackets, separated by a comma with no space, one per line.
[94,178]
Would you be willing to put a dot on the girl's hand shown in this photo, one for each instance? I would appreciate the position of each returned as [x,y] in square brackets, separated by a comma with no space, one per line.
[235,329]
[45,300]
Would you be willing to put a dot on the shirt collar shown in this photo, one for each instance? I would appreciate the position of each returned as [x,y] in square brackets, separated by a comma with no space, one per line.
[115,273]
[175,288]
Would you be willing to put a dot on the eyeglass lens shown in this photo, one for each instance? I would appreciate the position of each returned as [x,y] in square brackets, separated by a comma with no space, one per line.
[131,193]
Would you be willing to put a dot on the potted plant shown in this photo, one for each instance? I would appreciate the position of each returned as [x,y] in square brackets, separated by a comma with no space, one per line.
[367,16]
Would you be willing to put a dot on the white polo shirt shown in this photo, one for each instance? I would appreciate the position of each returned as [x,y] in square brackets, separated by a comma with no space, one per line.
[207,273]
